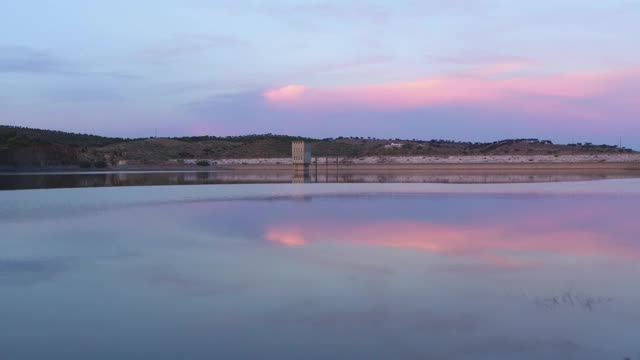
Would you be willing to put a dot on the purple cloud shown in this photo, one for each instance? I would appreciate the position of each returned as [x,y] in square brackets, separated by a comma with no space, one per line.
[187,45]
[22,59]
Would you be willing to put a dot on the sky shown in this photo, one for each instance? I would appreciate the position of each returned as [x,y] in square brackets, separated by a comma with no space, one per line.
[472,70]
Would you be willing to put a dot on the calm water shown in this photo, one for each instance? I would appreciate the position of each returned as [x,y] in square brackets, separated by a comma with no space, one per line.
[15,181]
[361,271]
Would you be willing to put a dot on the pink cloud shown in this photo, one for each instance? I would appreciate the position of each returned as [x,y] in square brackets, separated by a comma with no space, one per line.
[289,93]
[563,94]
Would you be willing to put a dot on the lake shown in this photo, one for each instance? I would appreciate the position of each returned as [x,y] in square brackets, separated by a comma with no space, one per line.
[322,271]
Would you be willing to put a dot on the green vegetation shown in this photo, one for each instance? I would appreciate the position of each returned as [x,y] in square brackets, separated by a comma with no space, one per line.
[13,139]
[84,164]
[26,136]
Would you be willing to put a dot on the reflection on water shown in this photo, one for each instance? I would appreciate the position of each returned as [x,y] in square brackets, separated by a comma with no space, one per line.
[10,181]
[386,276]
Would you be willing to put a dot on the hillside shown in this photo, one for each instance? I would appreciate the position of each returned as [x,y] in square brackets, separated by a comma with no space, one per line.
[22,147]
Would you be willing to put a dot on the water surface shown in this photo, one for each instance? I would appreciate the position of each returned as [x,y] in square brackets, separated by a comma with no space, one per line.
[51,180]
[405,271]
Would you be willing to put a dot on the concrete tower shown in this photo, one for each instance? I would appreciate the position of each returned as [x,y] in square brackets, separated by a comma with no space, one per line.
[301,156]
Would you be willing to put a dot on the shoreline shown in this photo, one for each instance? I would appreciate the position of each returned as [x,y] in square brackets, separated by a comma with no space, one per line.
[263,174]
[493,167]
[502,163]
[119,179]
[444,167]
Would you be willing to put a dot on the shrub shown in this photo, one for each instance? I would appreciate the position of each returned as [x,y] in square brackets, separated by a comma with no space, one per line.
[84,164]
[100,164]
[202,163]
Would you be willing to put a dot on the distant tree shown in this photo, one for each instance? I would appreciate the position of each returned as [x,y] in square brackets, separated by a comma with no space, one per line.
[84,164]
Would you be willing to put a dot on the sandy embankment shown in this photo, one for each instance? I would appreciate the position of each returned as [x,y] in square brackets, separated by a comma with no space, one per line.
[502,162]
[604,163]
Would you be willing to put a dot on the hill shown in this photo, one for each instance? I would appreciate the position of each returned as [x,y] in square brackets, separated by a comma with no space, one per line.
[21,147]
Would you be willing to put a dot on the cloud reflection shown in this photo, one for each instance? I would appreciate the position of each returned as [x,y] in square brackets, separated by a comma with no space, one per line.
[512,244]
[32,271]
[287,237]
